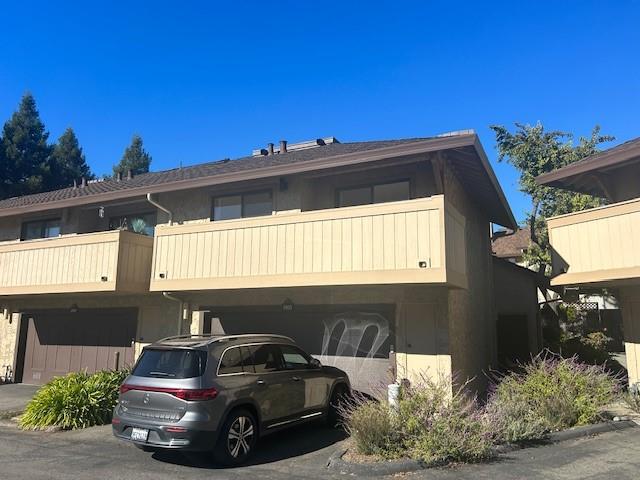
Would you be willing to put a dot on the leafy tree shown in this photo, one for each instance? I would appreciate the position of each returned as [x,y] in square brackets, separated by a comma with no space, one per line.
[24,152]
[67,161]
[533,151]
[135,158]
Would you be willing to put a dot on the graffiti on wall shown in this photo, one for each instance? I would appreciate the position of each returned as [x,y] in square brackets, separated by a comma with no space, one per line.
[354,342]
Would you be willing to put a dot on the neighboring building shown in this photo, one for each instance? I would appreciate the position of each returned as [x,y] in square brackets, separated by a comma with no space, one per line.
[511,245]
[374,256]
[600,247]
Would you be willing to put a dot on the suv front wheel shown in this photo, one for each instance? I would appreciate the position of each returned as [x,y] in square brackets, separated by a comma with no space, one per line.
[237,438]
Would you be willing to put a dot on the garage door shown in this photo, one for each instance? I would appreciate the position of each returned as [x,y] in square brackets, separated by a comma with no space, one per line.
[354,338]
[59,342]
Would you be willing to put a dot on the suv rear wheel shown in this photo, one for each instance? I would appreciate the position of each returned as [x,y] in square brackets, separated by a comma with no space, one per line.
[237,438]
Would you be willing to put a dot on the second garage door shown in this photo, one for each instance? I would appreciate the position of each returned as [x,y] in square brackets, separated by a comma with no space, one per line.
[58,342]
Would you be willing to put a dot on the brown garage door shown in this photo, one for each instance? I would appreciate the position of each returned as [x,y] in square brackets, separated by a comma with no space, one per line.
[59,342]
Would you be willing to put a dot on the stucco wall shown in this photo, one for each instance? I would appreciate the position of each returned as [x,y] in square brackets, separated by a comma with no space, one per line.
[472,331]
[515,293]
[8,332]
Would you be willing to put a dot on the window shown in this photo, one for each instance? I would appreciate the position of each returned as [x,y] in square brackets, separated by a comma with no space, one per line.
[264,358]
[253,204]
[379,193]
[156,363]
[231,362]
[294,358]
[40,229]
[143,223]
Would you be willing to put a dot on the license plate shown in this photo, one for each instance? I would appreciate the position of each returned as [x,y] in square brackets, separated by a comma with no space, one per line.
[139,434]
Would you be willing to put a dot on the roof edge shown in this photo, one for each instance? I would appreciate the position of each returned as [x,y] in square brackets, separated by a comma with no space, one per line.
[413,148]
[624,152]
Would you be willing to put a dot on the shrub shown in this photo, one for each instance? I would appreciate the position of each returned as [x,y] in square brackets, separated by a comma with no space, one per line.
[552,393]
[431,423]
[77,400]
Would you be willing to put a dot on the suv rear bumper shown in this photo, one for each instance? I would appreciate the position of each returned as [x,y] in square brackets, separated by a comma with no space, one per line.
[159,436]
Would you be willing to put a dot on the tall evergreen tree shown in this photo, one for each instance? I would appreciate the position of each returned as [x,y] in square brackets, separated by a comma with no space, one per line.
[135,158]
[67,161]
[24,157]
[532,150]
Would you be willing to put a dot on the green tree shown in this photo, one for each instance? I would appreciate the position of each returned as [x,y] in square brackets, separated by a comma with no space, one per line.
[67,161]
[135,158]
[24,152]
[533,151]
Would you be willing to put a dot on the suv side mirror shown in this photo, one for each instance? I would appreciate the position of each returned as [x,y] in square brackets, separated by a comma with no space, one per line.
[315,363]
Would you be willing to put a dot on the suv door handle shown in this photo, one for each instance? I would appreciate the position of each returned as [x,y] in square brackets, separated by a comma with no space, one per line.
[260,382]
[296,379]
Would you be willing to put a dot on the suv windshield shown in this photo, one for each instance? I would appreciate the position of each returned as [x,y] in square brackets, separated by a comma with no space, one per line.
[160,363]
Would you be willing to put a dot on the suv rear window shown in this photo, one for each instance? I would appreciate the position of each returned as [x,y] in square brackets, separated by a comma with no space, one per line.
[160,363]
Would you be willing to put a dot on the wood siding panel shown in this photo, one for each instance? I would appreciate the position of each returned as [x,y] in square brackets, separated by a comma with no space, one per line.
[325,247]
[93,262]
[597,245]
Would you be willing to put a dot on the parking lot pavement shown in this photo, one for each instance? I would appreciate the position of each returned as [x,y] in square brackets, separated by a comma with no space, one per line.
[300,453]
[14,397]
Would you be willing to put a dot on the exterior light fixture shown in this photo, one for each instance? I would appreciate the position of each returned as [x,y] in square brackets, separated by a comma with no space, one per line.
[287,305]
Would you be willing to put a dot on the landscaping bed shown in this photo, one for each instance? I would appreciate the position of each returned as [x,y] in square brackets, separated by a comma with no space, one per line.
[433,424]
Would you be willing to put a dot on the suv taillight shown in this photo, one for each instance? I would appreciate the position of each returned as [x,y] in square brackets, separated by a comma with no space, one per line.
[190,394]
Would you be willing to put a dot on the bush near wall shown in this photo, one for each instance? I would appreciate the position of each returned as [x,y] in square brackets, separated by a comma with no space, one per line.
[436,426]
[429,424]
[77,400]
[551,394]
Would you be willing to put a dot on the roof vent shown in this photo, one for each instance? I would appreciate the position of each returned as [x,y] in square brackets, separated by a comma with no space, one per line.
[292,147]
[455,133]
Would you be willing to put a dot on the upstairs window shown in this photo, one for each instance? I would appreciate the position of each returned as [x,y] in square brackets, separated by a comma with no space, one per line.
[143,223]
[254,204]
[376,193]
[40,229]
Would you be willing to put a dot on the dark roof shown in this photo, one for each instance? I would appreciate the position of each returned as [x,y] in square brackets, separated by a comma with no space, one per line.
[197,171]
[511,244]
[576,175]
[473,162]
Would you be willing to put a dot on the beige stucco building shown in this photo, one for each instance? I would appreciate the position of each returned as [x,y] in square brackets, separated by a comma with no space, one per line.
[600,248]
[374,256]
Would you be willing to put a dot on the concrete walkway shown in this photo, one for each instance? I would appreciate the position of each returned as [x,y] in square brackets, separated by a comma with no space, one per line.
[14,398]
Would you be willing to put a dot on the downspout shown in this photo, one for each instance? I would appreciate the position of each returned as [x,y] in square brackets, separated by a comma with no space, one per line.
[168,296]
[160,207]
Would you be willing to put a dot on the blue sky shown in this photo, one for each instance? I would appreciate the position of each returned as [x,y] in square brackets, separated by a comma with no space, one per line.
[206,80]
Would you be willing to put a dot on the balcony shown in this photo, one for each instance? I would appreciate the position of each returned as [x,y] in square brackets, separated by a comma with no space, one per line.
[414,241]
[596,246]
[115,261]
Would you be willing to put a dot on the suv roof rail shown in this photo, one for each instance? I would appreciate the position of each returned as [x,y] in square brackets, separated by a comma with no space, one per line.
[210,338]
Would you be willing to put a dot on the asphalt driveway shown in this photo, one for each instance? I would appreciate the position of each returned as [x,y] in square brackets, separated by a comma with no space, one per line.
[300,453]
[14,398]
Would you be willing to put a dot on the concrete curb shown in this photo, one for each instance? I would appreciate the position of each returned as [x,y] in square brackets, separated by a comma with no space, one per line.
[336,462]
[374,468]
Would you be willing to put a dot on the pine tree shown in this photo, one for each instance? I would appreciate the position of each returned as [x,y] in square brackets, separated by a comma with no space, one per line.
[135,158]
[24,152]
[68,163]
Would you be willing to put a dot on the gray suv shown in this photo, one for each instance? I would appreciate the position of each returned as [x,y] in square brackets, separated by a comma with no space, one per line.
[220,393]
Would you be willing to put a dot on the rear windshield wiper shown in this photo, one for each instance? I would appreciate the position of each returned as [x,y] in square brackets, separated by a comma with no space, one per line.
[162,374]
